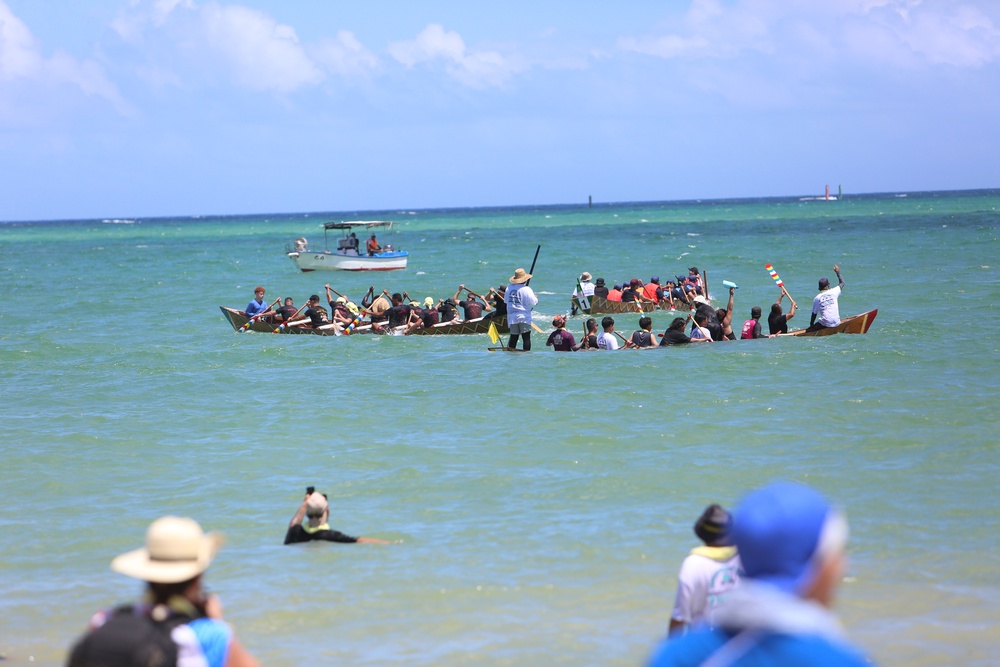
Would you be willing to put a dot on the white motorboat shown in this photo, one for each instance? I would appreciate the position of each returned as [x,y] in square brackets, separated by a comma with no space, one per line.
[348,255]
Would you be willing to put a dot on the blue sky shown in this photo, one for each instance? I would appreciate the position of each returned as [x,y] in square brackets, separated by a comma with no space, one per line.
[123,108]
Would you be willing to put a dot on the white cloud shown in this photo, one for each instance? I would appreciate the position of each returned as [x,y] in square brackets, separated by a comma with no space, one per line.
[478,69]
[21,58]
[890,32]
[709,30]
[962,35]
[344,55]
[264,54]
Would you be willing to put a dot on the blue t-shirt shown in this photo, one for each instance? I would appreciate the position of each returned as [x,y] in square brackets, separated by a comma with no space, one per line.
[763,650]
[255,307]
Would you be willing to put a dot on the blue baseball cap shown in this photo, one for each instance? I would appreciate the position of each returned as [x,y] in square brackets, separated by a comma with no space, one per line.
[777,530]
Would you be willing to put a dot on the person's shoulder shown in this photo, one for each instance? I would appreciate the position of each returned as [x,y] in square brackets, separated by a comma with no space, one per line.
[787,649]
[688,650]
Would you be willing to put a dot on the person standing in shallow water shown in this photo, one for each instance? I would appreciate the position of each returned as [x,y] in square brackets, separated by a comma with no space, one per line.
[561,340]
[519,299]
[708,573]
[792,547]
[315,510]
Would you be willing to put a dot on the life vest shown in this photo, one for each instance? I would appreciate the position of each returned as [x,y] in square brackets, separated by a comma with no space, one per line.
[748,328]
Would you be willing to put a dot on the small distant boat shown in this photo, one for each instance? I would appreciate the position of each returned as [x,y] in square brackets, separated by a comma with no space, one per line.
[859,324]
[348,255]
[827,196]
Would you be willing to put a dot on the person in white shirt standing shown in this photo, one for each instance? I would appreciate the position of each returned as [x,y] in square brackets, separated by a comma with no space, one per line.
[826,308]
[708,573]
[520,299]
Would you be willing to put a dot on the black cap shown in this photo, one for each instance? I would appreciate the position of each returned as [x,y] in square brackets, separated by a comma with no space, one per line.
[714,525]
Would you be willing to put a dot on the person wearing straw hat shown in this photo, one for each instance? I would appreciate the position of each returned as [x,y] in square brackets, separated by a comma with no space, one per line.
[177,621]
[315,510]
[792,547]
[708,573]
[519,299]
[584,287]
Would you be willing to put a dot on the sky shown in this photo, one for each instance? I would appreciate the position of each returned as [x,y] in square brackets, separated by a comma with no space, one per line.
[144,108]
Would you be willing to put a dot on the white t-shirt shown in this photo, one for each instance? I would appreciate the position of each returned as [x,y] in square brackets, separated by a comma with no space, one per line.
[607,341]
[826,308]
[701,333]
[587,287]
[704,582]
[519,299]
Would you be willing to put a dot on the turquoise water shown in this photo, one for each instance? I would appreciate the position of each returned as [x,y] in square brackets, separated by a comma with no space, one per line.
[544,501]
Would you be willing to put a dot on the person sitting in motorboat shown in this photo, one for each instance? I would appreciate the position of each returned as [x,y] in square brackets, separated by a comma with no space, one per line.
[372,246]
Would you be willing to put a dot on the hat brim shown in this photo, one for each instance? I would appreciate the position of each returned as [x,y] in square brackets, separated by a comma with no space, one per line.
[520,281]
[139,565]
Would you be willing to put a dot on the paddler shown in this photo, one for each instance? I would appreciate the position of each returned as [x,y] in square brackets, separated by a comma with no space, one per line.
[826,307]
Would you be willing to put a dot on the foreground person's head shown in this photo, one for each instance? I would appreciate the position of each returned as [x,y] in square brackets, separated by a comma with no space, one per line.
[789,537]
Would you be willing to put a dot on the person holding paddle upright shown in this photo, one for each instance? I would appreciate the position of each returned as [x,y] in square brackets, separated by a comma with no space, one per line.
[520,299]
[777,323]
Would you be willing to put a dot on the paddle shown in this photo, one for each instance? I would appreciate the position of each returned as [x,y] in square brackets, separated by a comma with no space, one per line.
[528,282]
[628,343]
[247,324]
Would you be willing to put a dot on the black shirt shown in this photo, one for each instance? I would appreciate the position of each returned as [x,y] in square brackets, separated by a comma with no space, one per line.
[777,323]
[297,534]
[398,315]
[672,337]
[473,309]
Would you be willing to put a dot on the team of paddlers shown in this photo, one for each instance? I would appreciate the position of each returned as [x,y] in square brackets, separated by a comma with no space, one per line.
[399,313]
[383,311]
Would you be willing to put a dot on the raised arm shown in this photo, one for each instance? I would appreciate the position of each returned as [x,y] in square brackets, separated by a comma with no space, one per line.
[299,513]
[836,269]
[455,298]
[728,319]
[791,311]
[368,298]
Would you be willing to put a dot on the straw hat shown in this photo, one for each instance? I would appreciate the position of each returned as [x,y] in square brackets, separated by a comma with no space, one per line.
[701,299]
[585,276]
[520,277]
[177,549]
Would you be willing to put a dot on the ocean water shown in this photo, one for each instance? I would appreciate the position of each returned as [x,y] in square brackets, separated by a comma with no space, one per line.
[544,501]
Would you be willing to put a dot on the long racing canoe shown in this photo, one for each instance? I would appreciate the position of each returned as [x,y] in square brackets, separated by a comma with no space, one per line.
[480,325]
[859,324]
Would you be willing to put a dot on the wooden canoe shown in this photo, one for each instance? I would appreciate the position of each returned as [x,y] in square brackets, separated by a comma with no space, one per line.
[858,324]
[479,325]
[601,306]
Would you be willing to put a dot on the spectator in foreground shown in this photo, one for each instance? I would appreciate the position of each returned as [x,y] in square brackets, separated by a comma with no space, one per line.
[791,543]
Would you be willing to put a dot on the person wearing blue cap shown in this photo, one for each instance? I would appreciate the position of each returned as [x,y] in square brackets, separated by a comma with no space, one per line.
[791,543]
